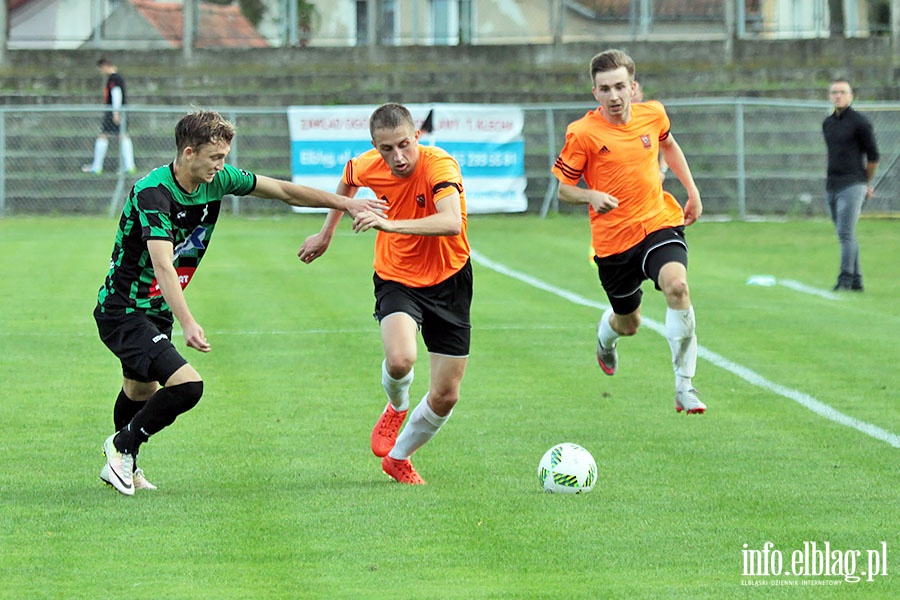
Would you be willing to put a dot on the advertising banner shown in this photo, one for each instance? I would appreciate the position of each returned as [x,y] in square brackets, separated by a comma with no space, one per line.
[486,140]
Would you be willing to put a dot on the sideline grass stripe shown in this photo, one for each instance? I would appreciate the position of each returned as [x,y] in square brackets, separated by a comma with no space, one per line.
[805,400]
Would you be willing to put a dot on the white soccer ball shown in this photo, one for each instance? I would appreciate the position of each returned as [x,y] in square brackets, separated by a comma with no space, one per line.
[567,469]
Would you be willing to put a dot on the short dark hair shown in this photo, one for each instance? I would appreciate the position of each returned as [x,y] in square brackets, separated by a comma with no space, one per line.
[835,80]
[202,127]
[610,60]
[390,116]
[103,62]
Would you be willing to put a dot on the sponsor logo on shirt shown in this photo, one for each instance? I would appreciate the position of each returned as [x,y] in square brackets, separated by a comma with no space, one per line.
[192,244]
[184,278]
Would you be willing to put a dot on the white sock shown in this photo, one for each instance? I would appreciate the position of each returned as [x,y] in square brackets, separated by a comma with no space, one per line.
[680,328]
[397,389]
[101,145]
[605,332]
[127,151]
[422,425]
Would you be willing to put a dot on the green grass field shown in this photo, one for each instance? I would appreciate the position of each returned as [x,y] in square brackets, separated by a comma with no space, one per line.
[268,489]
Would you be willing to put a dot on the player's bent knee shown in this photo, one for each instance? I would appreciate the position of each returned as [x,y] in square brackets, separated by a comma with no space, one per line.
[399,367]
[139,391]
[185,396]
[677,289]
[629,331]
[628,327]
[442,403]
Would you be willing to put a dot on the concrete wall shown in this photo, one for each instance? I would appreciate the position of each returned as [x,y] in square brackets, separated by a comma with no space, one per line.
[815,52]
[515,73]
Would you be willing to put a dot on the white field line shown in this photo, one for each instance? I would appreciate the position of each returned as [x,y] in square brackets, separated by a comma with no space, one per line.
[807,289]
[805,400]
[770,280]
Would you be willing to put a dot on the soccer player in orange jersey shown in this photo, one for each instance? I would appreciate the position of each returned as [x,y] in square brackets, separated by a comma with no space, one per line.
[423,277]
[637,228]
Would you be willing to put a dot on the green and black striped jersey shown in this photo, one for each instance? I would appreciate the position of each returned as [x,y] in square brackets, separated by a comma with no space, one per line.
[158,208]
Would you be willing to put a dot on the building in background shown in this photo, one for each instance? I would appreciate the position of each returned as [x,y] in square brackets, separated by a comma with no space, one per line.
[136,24]
[126,24]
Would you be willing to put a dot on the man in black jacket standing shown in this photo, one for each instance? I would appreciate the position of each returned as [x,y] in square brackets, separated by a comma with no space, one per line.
[852,162]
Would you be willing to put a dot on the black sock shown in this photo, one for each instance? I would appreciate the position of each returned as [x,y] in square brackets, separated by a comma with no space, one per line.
[158,412]
[125,409]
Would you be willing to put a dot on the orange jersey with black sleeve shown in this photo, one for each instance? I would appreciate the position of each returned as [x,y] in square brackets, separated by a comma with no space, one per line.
[414,260]
[621,160]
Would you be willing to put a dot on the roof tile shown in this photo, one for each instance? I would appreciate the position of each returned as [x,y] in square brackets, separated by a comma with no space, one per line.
[220,26]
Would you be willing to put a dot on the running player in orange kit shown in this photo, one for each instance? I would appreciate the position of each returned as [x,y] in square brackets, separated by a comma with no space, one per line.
[637,228]
[423,277]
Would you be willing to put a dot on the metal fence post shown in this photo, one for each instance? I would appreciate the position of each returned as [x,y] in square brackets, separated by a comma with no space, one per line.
[120,172]
[234,162]
[2,163]
[739,152]
[550,196]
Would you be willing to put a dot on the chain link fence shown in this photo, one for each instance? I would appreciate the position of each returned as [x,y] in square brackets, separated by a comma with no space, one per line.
[749,157]
[43,149]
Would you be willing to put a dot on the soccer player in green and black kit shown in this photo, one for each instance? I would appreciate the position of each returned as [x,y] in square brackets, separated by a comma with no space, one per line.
[164,231]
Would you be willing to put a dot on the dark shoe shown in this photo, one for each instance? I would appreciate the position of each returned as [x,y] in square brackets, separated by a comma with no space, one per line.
[856,285]
[844,282]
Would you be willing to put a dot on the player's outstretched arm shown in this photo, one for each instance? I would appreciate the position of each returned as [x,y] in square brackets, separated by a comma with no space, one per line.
[302,195]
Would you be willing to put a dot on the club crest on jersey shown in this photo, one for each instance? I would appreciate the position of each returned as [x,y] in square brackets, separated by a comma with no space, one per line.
[645,139]
[420,200]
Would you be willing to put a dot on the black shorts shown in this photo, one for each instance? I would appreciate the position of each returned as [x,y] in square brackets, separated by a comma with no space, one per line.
[622,274]
[142,342]
[441,311]
[109,125]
